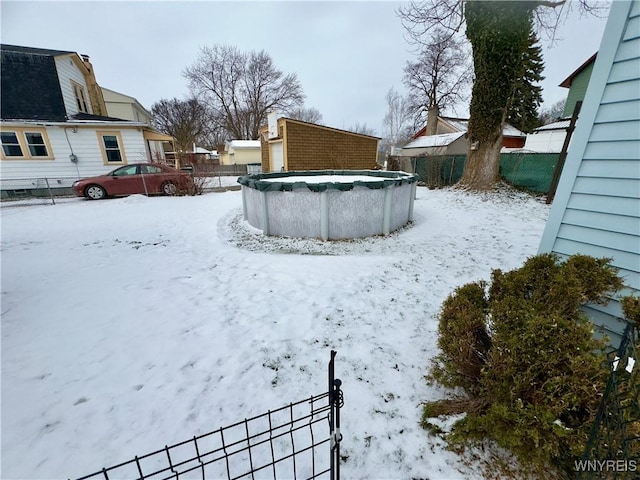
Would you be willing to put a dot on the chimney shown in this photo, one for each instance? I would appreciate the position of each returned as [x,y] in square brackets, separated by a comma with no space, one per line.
[95,93]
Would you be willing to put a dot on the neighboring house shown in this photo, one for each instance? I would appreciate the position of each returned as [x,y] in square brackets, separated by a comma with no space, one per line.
[288,145]
[208,154]
[445,125]
[442,144]
[240,152]
[123,106]
[161,147]
[596,210]
[577,84]
[450,139]
[54,122]
[550,138]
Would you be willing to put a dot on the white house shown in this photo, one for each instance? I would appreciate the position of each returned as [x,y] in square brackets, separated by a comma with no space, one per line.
[596,210]
[241,152]
[54,122]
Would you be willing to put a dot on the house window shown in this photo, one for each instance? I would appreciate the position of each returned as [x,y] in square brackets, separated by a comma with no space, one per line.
[10,144]
[111,146]
[25,144]
[36,145]
[81,98]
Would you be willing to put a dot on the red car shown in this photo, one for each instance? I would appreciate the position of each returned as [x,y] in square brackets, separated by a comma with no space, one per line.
[141,178]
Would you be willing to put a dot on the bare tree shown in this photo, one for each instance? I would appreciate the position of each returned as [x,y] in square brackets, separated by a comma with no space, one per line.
[439,78]
[362,128]
[553,113]
[310,115]
[398,121]
[185,120]
[499,33]
[241,88]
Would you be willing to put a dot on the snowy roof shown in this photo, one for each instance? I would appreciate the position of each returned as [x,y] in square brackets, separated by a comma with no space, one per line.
[511,131]
[204,150]
[244,144]
[434,140]
[462,125]
[559,125]
[459,124]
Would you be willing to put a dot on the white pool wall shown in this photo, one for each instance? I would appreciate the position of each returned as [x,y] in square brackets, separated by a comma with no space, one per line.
[332,214]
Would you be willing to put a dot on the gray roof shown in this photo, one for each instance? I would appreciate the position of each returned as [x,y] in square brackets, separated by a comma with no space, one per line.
[34,51]
[29,84]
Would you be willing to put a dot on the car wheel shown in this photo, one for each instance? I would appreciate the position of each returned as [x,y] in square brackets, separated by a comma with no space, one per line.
[95,192]
[169,188]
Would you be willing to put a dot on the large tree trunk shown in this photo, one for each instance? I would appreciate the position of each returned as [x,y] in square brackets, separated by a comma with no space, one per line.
[482,170]
[499,34]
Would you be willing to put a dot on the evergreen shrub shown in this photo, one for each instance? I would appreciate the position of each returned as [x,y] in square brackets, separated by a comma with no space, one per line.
[524,355]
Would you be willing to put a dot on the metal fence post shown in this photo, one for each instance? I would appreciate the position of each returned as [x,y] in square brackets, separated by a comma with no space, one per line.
[46,180]
[336,401]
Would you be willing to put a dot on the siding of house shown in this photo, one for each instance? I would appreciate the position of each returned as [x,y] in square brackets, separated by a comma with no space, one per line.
[85,146]
[597,208]
[313,147]
[68,71]
[240,156]
[125,107]
[243,156]
[264,151]
[578,90]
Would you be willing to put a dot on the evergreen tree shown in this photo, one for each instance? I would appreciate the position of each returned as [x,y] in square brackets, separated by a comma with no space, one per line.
[527,97]
[499,34]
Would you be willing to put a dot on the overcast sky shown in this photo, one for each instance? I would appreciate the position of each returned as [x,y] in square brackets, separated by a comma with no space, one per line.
[346,54]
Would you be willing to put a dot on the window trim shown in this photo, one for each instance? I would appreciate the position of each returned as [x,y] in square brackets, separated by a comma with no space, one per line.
[20,133]
[80,96]
[103,149]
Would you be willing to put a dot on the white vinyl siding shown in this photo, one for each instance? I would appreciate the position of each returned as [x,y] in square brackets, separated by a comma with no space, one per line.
[597,208]
[84,145]
[68,74]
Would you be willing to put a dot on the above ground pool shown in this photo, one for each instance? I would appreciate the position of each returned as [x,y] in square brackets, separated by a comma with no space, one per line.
[328,204]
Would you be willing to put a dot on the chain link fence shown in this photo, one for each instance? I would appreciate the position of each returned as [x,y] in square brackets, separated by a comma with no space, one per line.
[25,192]
[35,191]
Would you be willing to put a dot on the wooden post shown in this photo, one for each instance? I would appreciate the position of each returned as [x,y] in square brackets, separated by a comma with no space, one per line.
[563,153]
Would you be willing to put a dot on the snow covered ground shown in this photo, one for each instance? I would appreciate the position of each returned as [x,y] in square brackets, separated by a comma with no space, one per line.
[129,324]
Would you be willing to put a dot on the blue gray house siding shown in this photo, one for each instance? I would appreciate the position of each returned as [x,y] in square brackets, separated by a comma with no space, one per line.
[597,208]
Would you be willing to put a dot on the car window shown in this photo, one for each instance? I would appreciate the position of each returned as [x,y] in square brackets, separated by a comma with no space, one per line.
[147,169]
[128,170]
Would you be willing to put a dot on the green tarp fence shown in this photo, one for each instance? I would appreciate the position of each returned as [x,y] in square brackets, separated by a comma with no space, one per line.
[529,171]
